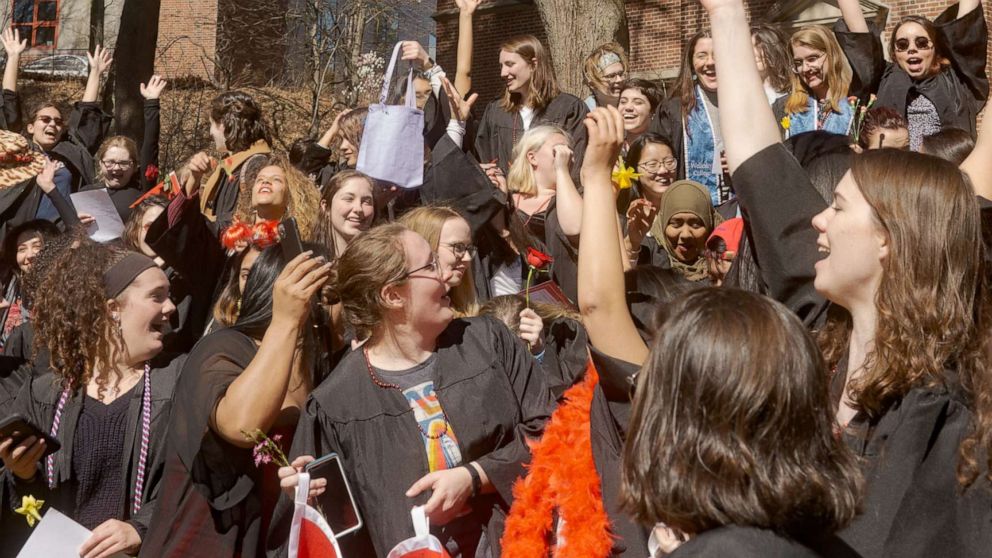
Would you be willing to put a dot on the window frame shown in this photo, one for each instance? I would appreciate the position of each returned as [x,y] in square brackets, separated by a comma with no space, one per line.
[35,24]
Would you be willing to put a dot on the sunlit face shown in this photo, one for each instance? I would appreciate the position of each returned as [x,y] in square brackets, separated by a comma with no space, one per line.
[47,128]
[809,63]
[897,138]
[217,133]
[636,111]
[118,167]
[349,152]
[759,58]
[704,65]
[352,208]
[426,303]
[657,168]
[852,246]
[454,250]
[143,311]
[614,76]
[246,264]
[515,71]
[686,234]
[915,52]
[422,88]
[29,245]
[270,189]
[147,219]
[542,161]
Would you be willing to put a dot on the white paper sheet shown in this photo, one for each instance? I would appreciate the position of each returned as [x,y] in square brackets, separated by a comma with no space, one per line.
[56,536]
[108,225]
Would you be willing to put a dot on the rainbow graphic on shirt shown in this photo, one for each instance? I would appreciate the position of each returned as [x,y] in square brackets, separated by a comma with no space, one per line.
[442,451]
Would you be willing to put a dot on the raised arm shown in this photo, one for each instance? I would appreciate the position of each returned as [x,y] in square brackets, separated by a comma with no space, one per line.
[965,7]
[14,45]
[567,198]
[746,120]
[602,294]
[255,398]
[149,144]
[100,60]
[463,70]
[854,18]
[977,166]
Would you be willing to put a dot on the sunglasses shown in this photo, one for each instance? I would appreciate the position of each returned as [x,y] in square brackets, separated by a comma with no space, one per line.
[44,119]
[921,43]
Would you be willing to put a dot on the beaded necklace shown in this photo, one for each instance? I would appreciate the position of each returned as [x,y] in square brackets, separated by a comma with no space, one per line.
[387,385]
[146,423]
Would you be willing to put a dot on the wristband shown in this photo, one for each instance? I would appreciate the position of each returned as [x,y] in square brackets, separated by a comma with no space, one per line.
[476,479]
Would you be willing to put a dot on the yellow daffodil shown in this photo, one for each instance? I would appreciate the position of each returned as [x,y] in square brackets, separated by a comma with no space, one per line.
[624,176]
[30,508]
[785,122]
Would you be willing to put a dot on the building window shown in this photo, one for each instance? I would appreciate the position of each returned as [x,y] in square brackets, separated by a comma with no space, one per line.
[37,21]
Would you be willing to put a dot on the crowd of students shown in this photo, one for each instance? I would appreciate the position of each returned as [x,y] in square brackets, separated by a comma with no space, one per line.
[762,327]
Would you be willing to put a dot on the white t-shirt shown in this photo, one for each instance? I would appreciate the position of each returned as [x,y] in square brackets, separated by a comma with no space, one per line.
[508,279]
[527,114]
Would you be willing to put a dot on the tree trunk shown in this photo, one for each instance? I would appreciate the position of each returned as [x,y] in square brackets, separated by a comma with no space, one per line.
[575,28]
[134,63]
[97,13]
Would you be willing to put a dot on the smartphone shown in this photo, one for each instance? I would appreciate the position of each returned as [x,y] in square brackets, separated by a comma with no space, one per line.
[292,246]
[337,503]
[20,428]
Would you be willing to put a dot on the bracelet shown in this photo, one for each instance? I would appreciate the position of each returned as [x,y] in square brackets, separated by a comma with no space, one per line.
[476,479]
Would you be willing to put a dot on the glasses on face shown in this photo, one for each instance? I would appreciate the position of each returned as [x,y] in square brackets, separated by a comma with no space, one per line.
[614,75]
[45,119]
[459,249]
[111,164]
[431,266]
[813,62]
[668,163]
[921,43]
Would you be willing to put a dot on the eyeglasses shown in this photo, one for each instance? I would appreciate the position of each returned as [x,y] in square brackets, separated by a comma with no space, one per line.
[45,119]
[726,255]
[814,62]
[669,163]
[111,164]
[614,75]
[921,43]
[459,249]
[431,265]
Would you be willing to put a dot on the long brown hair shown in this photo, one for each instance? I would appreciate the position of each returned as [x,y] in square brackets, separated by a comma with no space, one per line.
[543,84]
[932,300]
[427,221]
[131,237]
[685,84]
[772,43]
[836,70]
[731,424]
[323,230]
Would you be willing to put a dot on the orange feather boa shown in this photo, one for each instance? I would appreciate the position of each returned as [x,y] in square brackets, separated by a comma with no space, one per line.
[562,478]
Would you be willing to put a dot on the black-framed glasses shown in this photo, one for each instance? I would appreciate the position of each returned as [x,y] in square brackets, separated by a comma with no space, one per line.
[921,43]
[610,77]
[432,265]
[459,249]
[668,163]
[117,164]
[813,62]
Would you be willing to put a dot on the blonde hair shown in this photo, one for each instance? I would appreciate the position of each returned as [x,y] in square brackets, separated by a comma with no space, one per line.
[543,85]
[591,71]
[123,142]
[427,221]
[304,198]
[521,176]
[836,70]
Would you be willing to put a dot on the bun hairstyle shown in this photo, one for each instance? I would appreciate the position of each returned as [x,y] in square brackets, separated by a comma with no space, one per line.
[242,120]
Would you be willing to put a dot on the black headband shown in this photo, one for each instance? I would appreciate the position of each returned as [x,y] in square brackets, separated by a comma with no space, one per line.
[123,273]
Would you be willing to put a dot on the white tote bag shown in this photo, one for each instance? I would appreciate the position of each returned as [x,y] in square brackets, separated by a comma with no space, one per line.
[423,544]
[392,147]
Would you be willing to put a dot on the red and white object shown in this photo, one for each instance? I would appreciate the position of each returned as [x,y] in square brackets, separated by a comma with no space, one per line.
[310,536]
[424,544]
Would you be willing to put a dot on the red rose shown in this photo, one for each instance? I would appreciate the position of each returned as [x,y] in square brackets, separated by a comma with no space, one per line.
[537,259]
[151,174]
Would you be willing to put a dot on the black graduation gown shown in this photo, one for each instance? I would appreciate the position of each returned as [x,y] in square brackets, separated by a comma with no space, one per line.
[958,92]
[10,111]
[124,197]
[546,227]
[565,354]
[211,504]
[499,130]
[742,542]
[37,401]
[495,400]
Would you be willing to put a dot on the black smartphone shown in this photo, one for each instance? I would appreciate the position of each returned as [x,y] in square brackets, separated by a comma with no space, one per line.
[337,503]
[20,428]
[292,245]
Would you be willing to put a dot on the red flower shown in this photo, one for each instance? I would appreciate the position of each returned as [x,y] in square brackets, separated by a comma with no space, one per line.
[151,174]
[537,259]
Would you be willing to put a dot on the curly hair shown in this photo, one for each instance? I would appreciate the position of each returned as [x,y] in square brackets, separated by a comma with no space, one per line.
[304,198]
[931,302]
[878,119]
[70,314]
[242,120]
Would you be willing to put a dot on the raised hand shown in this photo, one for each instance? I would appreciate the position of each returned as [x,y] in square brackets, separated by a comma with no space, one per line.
[100,60]
[461,109]
[640,216]
[302,277]
[605,127]
[414,52]
[154,88]
[563,158]
[467,7]
[46,178]
[12,43]
[713,5]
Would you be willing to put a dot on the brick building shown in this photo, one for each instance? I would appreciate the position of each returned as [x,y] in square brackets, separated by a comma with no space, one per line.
[658,30]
